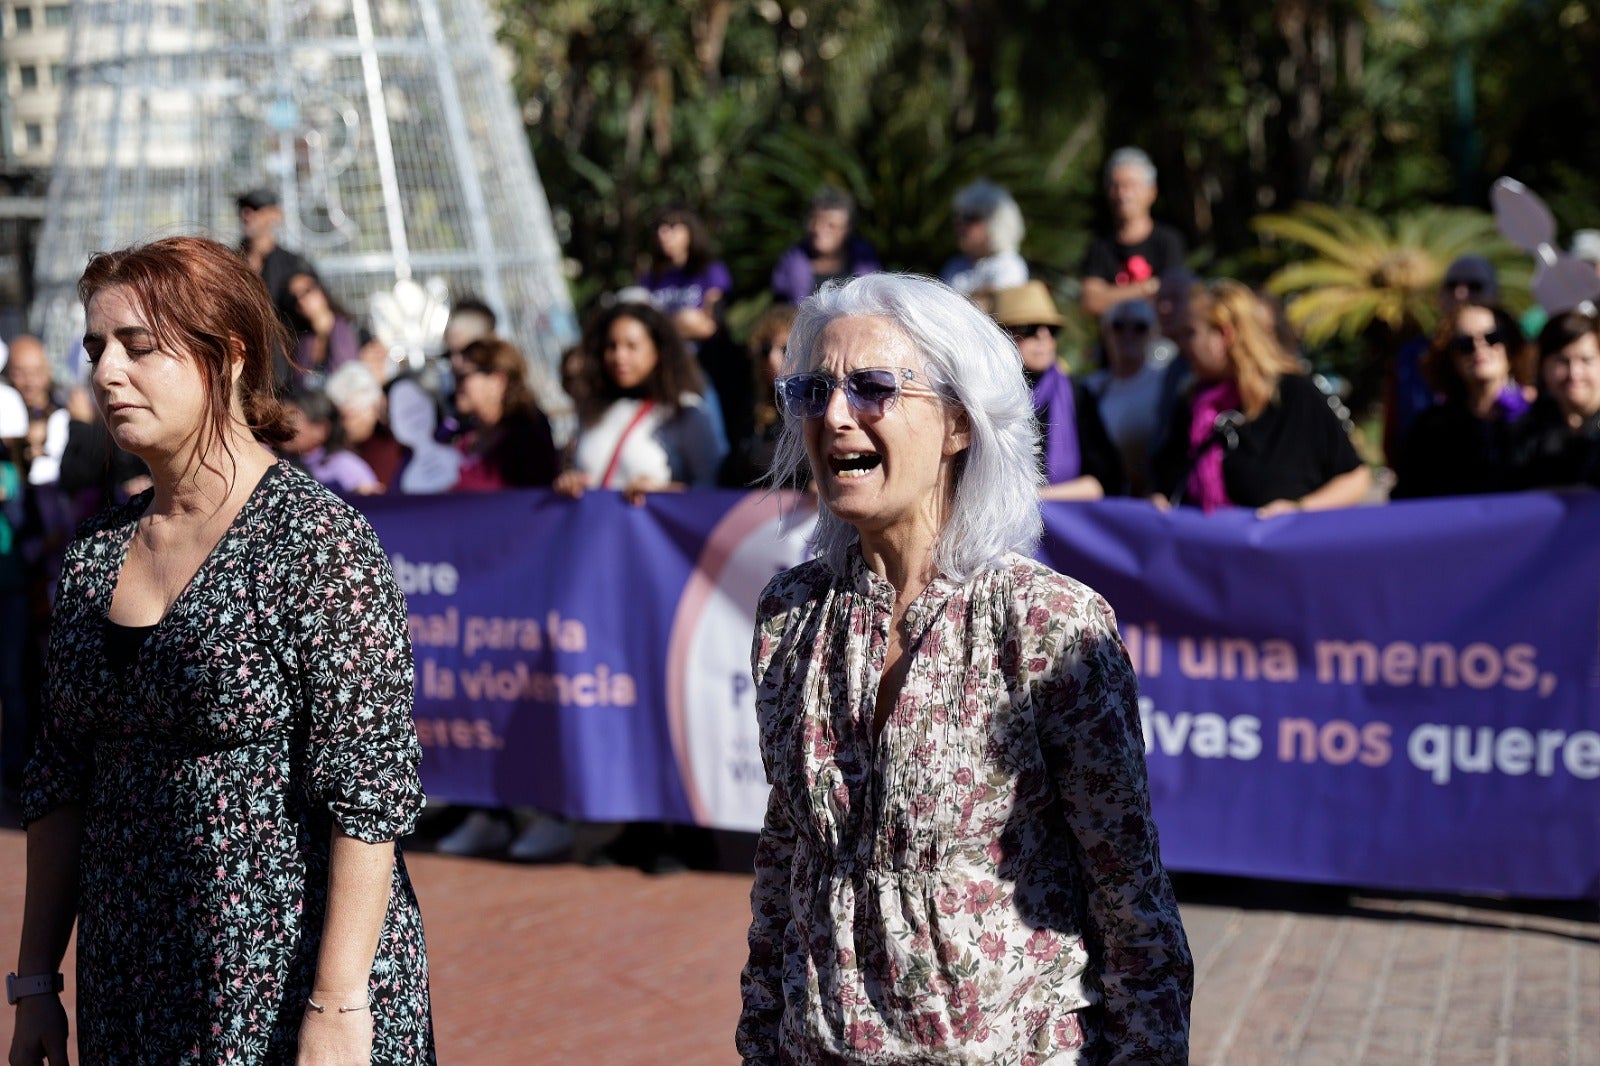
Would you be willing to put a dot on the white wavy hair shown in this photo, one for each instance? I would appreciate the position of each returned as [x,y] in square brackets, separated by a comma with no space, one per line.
[354,385]
[973,365]
[998,208]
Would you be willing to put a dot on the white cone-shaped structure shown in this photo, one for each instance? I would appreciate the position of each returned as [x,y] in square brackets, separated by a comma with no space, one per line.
[386,127]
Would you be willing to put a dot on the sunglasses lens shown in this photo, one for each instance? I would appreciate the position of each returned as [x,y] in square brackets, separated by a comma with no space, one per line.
[1130,327]
[804,395]
[872,391]
[1467,343]
[869,392]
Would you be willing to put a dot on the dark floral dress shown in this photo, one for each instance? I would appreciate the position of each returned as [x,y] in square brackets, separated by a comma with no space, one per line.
[271,704]
[981,882]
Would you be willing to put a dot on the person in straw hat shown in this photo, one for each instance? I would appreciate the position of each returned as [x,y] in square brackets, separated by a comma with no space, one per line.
[1075,452]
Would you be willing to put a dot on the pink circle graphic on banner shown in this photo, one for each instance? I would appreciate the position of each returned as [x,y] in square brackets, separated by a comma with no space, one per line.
[711,707]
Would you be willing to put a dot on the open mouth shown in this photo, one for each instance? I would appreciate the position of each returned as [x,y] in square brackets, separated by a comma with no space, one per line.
[854,464]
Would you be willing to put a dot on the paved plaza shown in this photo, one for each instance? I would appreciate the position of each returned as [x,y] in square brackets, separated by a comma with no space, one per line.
[567,964]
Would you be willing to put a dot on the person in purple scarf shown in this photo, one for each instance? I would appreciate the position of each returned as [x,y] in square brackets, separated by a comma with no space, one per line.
[1463,444]
[1076,454]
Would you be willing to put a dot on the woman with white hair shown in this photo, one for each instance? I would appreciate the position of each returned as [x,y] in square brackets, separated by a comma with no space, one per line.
[989,234]
[958,861]
[358,396]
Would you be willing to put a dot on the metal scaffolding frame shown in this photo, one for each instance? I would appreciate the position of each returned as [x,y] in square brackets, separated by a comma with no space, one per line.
[387,128]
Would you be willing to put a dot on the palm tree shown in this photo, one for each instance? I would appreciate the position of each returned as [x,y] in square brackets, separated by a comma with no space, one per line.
[1365,272]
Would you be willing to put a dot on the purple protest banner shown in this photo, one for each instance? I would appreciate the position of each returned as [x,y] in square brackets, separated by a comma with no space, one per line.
[1403,697]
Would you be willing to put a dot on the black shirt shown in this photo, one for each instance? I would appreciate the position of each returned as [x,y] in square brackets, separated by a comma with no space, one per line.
[1449,451]
[1112,262]
[1546,453]
[1293,447]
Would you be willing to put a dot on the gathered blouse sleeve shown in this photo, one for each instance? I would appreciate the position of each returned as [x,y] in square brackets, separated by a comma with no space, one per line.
[1087,717]
[357,679]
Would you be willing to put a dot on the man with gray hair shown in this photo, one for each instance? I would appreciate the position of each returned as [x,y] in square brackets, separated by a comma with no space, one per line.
[1127,263]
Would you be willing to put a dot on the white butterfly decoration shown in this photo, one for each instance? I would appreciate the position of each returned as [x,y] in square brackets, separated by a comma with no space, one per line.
[409,319]
[1560,282]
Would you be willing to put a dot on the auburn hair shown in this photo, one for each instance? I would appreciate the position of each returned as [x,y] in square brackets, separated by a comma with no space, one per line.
[1439,369]
[202,301]
[493,355]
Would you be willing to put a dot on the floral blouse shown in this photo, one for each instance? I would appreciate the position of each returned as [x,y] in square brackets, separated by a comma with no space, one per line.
[982,882]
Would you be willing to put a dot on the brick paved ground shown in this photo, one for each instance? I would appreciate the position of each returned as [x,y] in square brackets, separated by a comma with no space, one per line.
[566,964]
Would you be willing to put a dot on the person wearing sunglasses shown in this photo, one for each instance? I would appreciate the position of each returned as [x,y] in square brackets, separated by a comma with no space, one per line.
[1462,445]
[950,728]
[1468,279]
[1131,387]
[1076,454]
[1558,444]
[988,230]
[1256,431]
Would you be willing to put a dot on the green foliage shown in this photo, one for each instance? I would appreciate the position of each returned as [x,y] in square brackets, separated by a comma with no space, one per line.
[742,108]
[1362,269]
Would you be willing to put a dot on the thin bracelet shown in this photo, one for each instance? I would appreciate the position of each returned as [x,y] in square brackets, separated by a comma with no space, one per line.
[312,1004]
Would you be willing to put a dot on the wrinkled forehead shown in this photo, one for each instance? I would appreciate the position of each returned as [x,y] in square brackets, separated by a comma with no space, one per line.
[851,342]
[118,307]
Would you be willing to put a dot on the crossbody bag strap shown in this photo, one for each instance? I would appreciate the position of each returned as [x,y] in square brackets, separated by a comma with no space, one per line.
[616,454]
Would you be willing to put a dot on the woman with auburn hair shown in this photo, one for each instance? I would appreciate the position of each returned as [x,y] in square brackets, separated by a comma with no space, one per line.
[227,756]
[1480,376]
[508,442]
[1256,430]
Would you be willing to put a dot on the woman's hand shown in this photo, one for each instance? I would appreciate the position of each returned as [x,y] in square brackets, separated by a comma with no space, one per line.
[636,490]
[571,483]
[40,1035]
[1279,507]
[694,323]
[1160,502]
[334,1039]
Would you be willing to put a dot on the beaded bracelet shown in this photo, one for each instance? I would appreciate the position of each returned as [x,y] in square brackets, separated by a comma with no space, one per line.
[312,1004]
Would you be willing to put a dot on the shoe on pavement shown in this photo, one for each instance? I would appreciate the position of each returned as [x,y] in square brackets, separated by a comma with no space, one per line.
[482,831]
[545,837]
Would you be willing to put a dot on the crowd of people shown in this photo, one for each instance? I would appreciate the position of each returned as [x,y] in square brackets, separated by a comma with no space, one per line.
[1197,395]
[929,418]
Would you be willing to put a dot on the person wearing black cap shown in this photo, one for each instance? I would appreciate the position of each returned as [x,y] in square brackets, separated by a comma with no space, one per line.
[260,215]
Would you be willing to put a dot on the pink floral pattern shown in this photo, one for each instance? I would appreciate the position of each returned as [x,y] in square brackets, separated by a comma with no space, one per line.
[272,703]
[982,881]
